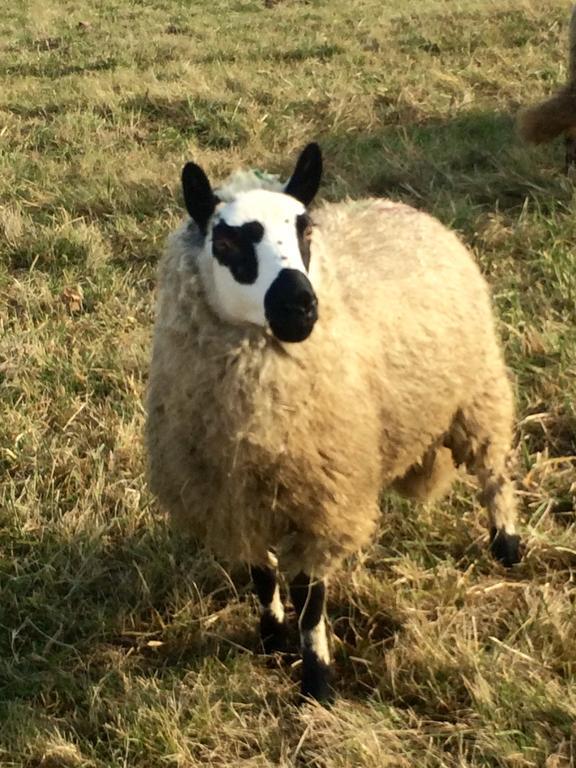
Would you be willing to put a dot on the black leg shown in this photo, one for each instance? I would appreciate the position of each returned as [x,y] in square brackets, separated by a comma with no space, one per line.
[309,599]
[505,547]
[273,630]
[570,145]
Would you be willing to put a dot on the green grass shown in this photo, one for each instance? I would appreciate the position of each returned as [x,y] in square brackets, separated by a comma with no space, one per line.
[120,646]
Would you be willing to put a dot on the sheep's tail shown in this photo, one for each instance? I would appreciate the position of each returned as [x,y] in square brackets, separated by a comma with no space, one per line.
[547,120]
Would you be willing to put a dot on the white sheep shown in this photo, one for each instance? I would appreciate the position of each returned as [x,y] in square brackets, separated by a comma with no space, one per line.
[302,364]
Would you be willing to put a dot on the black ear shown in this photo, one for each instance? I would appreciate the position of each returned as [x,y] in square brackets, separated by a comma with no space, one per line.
[305,180]
[198,196]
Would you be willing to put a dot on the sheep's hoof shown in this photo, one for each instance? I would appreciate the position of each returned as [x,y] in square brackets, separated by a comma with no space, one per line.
[316,679]
[273,634]
[505,547]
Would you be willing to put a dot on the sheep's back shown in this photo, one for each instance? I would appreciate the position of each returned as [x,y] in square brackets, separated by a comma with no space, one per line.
[416,305]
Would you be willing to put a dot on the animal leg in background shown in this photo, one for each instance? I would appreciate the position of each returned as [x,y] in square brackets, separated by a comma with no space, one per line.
[570,147]
[309,598]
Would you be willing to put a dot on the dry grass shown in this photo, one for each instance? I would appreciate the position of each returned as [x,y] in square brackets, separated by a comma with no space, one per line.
[120,646]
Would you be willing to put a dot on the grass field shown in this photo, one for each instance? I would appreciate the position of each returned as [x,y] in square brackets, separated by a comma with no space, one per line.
[122,647]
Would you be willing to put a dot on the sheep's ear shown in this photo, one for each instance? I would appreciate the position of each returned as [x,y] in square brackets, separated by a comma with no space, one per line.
[305,180]
[198,196]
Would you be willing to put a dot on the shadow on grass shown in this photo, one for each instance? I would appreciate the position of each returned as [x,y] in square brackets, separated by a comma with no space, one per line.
[66,598]
[454,168]
[72,601]
[54,68]
[77,607]
[213,123]
[320,52]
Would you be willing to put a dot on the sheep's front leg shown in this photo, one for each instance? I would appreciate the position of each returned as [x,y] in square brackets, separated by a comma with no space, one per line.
[273,630]
[570,152]
[309,598]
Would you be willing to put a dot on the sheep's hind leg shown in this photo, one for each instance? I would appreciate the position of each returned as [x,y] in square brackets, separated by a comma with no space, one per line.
[273,628]
[570,152]
[498,498]
[486,451]
[309,597]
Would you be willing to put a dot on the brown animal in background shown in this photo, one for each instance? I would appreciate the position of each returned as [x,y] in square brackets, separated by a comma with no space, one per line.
[557,115]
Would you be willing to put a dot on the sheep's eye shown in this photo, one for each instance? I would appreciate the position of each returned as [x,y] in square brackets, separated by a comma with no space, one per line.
[235,248]
[304,230]
[224,247]
[253,231]
[231,243]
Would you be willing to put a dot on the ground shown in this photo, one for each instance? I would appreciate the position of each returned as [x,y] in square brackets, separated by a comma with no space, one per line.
[120,645]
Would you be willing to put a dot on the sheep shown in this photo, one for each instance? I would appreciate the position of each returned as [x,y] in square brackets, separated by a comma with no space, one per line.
[545,121]
[302,363]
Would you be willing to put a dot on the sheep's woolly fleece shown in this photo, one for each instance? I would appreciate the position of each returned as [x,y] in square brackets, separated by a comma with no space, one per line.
[244,181]
[256,444]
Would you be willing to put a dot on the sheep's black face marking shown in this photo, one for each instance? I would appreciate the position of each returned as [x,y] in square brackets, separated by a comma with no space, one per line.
[252,244]
[234,247]
[304,230]
[291,306]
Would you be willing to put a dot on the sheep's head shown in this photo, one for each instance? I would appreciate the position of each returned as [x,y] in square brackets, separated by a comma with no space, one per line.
[256,249]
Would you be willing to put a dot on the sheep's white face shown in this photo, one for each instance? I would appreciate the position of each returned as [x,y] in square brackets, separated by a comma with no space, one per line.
[256,251]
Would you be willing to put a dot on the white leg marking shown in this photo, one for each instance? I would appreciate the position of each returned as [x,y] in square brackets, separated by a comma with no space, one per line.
[272,559]
[316,640]
[275,607]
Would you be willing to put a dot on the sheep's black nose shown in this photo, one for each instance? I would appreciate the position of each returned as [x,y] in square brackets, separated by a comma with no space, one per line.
[303,301]
[291,306]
